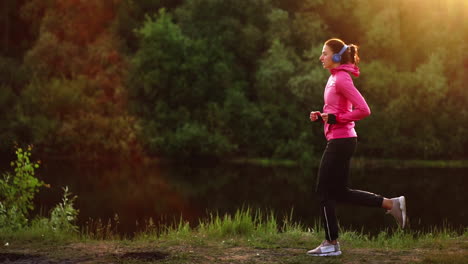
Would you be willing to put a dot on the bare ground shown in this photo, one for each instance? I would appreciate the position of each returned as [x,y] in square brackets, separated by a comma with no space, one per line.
[146,252]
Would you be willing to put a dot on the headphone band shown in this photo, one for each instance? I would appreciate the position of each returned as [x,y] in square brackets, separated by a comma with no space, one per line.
[345,47]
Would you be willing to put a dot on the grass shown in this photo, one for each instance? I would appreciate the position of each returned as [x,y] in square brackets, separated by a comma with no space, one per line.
[248,236]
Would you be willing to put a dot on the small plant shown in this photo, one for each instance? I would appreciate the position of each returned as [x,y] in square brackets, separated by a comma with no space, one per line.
[17,190]
[64,215]
[11,217]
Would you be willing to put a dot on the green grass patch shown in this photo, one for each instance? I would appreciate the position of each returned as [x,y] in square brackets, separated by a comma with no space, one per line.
[254,228]
[38,232]
[247,236]
[246,226]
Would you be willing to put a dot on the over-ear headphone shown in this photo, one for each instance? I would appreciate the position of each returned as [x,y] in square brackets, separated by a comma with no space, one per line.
[337,56]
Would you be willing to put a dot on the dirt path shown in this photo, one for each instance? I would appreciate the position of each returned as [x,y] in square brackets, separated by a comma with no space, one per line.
[120,252]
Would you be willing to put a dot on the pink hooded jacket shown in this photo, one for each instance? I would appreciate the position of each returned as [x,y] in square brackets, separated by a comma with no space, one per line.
[344,101]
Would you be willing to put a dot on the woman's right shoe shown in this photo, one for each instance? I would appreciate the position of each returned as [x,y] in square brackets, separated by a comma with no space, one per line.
[325,249]
[398,210]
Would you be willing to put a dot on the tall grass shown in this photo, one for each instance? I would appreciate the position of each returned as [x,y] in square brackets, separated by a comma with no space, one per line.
[246,227]
[243,223]
[260,229]
[246,223]
[97,229]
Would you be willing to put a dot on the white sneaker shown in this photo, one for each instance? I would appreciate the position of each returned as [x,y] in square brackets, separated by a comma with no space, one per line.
[325,249]
[399,210]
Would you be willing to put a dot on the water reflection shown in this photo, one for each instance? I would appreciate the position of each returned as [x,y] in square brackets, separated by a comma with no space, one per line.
[167,192]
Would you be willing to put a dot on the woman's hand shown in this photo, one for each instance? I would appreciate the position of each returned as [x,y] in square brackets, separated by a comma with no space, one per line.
[314,115]
[324,117]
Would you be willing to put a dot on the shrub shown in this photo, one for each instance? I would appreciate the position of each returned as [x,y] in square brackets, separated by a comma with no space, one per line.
[64,215]
[17,190]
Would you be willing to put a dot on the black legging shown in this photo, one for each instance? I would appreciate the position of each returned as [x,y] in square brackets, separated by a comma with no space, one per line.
[332,184]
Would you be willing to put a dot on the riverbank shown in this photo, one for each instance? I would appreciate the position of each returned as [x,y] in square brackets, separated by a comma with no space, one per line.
[245,237]
[359,162]
[281,248]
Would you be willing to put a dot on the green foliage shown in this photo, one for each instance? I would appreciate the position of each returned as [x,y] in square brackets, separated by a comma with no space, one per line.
[11,217]
[61,116]
[193,139]
[13,77]
[189,87]
[236,77]
[64,215]
[17,190]
[172,75]
[274,72]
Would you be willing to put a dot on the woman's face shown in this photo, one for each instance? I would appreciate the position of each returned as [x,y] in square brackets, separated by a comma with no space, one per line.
[326,58]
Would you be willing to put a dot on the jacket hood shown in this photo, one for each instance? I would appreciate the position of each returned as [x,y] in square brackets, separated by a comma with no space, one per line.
[351,68]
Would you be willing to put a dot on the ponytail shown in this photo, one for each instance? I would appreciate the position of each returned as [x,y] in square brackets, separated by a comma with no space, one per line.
[349,56]
[354,57]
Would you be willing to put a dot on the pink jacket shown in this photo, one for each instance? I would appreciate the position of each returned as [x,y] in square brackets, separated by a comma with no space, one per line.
[344,101]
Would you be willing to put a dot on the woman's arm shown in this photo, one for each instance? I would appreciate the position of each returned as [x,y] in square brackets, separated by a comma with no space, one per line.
[345,86]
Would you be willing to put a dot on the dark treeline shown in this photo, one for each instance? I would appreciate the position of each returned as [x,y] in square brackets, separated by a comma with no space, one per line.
[225,78]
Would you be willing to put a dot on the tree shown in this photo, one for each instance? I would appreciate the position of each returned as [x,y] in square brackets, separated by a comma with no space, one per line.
[78,84]
[173,79]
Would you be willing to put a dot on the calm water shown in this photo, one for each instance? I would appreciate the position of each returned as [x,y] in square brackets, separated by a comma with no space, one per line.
[436,197]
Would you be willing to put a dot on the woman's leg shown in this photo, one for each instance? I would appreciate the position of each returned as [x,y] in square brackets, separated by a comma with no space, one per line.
[332,176]
[344,194]
[358,197]
[341,193]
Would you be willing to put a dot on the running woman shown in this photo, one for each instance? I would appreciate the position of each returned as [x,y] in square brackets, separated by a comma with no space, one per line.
[344,105]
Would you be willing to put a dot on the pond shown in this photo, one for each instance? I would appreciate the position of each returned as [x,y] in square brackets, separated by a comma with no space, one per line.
[167,193]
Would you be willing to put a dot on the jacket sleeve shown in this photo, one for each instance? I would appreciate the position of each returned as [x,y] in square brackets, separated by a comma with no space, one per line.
[345,86]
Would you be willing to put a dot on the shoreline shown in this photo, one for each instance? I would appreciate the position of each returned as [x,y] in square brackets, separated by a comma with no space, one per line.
[185,245]
[361,162]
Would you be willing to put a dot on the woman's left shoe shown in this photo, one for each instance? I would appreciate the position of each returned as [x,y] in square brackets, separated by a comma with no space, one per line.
[325,249]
